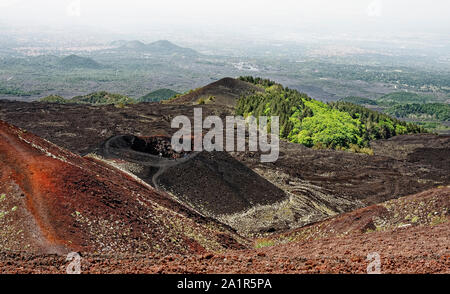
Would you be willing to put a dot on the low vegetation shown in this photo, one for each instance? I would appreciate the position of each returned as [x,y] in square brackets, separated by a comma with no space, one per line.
[421,109]
[103,98]
[359,100]
[54,99]
[17,92]
[158,95]
[436,111]
[261,243]
[204,100]
[403,97]
[97,98]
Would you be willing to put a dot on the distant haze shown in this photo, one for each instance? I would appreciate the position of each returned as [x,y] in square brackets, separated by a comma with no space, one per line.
[274,19]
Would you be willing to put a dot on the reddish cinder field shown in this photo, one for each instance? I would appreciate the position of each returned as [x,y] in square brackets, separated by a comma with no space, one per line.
[57,202]
[54,202]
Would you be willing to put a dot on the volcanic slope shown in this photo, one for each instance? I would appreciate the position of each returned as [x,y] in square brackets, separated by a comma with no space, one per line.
[410,234]
[193,177]
[257,198]
[224,92]
[318,183]
[53,201]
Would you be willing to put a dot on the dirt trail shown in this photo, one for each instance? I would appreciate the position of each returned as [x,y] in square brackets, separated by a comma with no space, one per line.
[28,169]
[120,147]
[84,205]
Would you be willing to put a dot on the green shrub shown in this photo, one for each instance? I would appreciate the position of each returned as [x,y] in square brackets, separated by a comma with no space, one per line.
[264,243]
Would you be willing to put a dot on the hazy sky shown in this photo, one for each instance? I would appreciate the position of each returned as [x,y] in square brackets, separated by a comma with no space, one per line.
[127,15]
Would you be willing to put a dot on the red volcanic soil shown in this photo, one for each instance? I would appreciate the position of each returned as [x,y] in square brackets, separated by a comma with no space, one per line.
[53,201]
[410,250]
[410,234]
